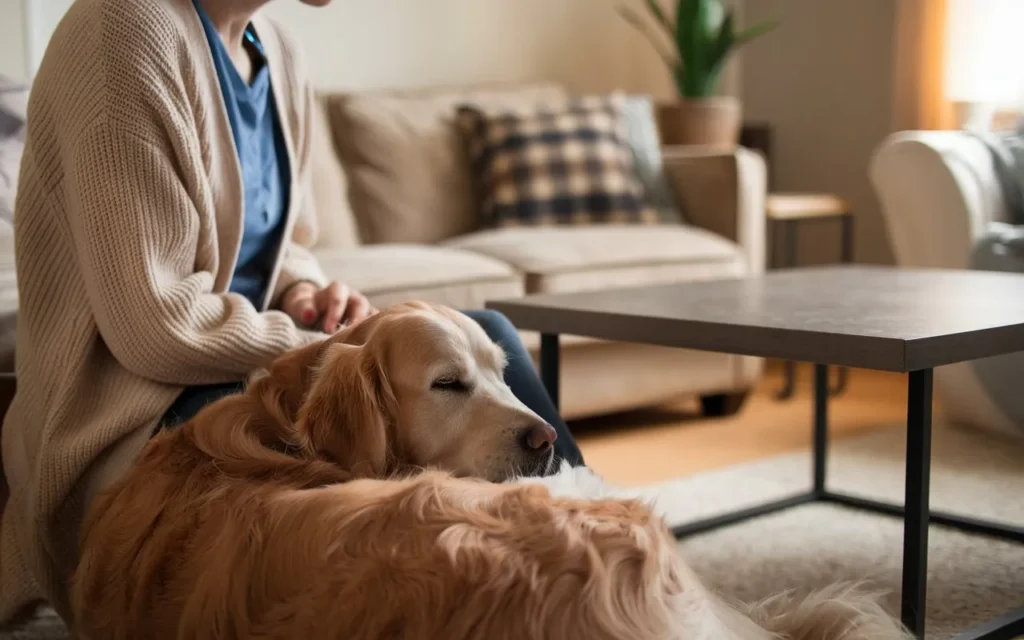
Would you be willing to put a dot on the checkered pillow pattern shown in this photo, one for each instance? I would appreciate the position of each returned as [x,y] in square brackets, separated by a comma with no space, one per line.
[569,164]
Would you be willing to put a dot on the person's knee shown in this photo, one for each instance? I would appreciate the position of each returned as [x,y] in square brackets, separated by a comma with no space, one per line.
[495,325]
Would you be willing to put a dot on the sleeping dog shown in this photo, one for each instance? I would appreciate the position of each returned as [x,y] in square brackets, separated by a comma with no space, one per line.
[370,486]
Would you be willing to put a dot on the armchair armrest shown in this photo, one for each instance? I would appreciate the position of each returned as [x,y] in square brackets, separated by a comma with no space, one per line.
[723,192]
[939,191]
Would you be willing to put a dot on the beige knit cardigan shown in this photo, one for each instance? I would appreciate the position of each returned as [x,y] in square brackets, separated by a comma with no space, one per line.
[129,220]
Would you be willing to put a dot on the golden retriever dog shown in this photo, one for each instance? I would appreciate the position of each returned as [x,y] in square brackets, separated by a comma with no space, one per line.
[353,492]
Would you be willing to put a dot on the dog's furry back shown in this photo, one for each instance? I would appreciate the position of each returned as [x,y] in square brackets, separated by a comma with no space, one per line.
[423,558]
[187,548]
[843,611]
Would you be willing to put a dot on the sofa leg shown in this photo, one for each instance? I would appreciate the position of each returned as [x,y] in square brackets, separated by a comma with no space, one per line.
[722,405]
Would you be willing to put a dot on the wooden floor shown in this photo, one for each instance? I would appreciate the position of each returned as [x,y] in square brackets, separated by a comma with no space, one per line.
[650,446]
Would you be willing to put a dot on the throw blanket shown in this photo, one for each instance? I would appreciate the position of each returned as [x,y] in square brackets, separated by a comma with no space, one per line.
[1007,150]
[1001,248]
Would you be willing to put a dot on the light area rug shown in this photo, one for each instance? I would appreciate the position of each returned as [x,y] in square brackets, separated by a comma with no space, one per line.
[970,578]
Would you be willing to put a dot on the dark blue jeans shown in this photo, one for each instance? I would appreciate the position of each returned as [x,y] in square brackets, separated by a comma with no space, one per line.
[520,376]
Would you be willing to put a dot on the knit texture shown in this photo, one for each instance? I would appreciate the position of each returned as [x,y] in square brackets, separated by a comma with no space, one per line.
[129,219]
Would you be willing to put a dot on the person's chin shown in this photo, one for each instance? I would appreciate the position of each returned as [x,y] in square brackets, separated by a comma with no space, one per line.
[316,3]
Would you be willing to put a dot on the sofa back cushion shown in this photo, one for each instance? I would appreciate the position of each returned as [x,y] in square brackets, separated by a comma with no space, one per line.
[335,225]
[407,167]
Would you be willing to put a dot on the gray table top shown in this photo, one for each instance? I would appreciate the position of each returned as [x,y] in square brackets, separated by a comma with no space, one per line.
[857,316]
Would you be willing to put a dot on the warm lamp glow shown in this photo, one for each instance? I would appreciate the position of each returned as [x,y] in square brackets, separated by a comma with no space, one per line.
[983,59]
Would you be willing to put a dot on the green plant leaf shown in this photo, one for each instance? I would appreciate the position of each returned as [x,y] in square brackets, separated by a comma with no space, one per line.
[685,17]
[692,35]
[723,43]
[755,31]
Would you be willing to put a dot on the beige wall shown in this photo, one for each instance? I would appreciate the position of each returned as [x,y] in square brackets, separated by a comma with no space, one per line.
[367,44]
[25,29]
[371,44]
[12,39]
[824,83]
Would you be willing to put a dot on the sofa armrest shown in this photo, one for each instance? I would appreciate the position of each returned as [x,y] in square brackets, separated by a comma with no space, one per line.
[939,191]
[723,192]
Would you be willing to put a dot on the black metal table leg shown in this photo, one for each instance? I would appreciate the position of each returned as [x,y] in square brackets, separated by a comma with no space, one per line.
[915,525]
[820,427]
[789,260]
[550,356]
[846,257]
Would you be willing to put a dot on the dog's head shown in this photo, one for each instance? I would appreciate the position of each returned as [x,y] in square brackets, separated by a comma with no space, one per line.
[415,385]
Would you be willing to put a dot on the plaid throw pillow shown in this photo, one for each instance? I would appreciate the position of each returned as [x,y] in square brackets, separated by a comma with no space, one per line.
[570,164]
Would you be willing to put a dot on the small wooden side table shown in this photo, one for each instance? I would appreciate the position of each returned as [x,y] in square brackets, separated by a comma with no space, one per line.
[785,212]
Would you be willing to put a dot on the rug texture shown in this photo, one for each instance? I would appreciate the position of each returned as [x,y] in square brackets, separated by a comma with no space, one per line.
[970,578]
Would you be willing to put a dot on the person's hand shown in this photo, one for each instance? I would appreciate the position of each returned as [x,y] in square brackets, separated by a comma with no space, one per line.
[334,307]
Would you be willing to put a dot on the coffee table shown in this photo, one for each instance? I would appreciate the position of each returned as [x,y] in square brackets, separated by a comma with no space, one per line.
[908,321]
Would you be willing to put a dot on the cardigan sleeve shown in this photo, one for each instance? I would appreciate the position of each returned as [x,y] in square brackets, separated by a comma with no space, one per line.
[137,236]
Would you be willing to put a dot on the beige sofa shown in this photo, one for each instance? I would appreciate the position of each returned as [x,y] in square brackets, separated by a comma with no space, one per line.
[397,221]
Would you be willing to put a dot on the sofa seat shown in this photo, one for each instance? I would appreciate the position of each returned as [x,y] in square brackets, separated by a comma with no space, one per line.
[571,259]
[394,273]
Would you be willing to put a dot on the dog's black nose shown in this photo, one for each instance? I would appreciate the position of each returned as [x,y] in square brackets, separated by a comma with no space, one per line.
[538,437]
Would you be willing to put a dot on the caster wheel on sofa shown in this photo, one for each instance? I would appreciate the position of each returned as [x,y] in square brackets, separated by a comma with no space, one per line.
[722,405]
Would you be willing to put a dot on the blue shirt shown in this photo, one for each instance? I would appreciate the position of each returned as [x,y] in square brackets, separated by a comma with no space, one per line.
[261,151]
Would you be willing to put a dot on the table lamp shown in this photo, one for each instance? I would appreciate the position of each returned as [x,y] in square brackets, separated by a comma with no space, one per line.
[983,70]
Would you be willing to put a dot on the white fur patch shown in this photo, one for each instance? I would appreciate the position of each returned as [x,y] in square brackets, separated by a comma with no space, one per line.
[583,483]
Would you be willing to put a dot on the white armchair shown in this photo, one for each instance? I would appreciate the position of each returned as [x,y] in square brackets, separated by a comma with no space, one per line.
[939,192]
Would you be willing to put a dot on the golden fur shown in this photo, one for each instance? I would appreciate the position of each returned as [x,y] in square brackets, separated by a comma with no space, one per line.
[299,509]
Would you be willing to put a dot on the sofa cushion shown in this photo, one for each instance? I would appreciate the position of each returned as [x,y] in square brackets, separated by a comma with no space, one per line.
[335,224]
[407,169]
[565,260]
[563,164]
[393,273]
[648,164]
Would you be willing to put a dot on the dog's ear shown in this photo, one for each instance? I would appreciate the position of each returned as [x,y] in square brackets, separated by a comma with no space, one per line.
[343,417]
[284,384]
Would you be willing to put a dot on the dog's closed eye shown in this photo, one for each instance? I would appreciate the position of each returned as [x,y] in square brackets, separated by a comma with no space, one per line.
[449,383]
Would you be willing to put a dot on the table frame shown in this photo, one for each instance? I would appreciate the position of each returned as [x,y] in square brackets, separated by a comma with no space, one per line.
[916,513]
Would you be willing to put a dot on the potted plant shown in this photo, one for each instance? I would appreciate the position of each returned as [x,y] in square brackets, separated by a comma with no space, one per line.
[695,43]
